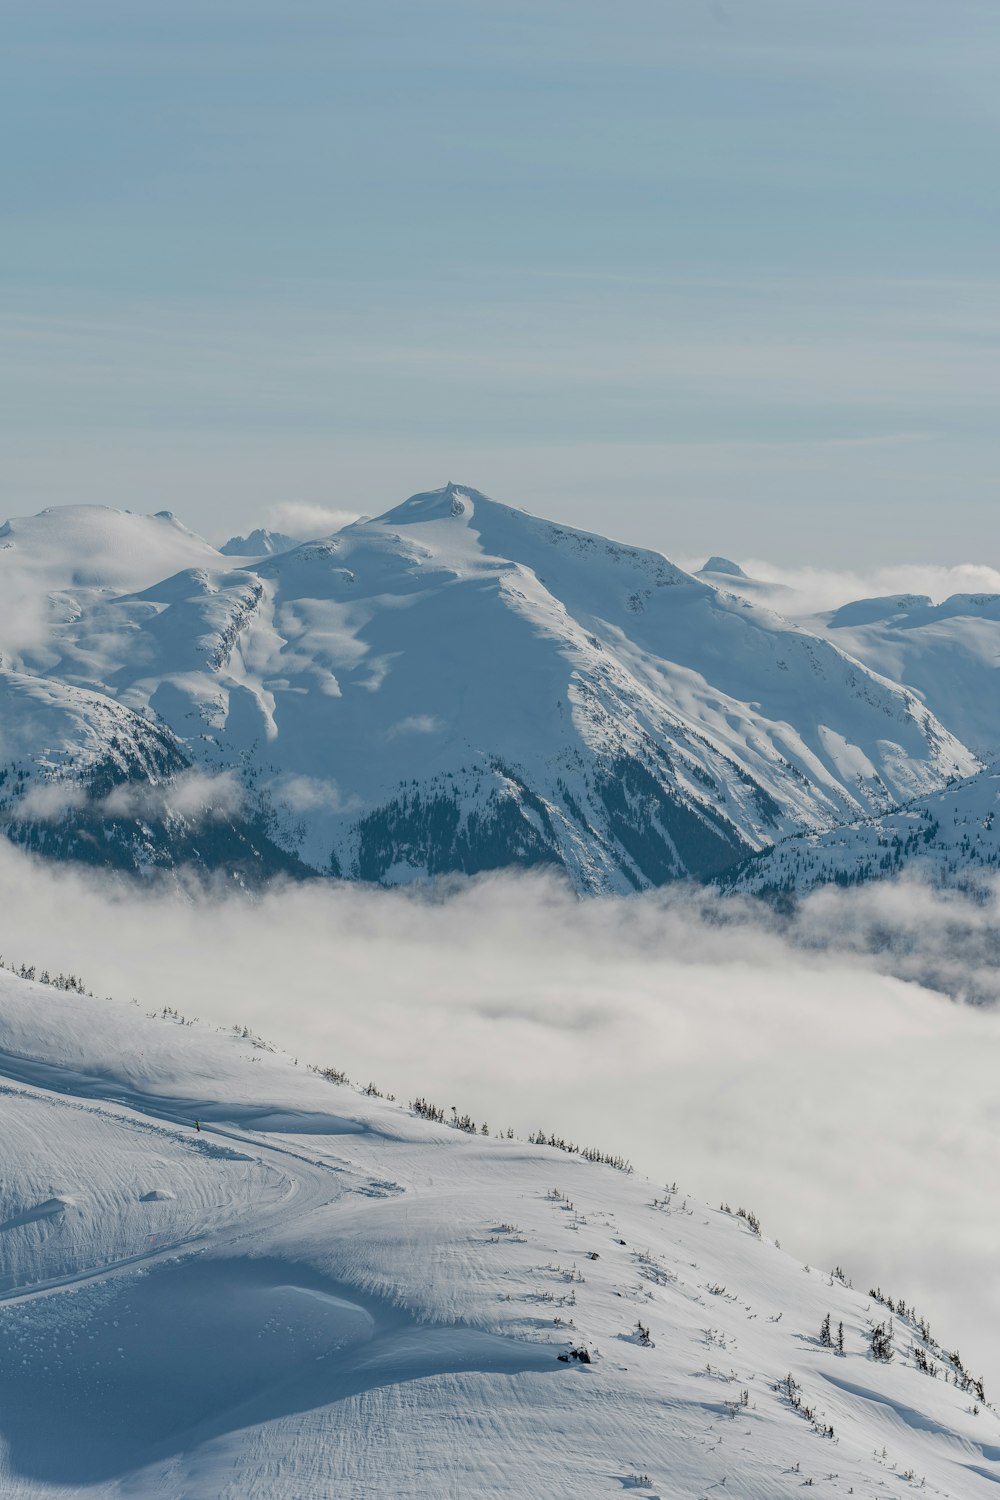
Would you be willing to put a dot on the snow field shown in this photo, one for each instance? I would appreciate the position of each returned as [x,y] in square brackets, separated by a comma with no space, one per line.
[328,1295]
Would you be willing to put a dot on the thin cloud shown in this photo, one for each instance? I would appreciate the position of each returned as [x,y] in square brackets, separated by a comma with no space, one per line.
[195,796]
[305,794]
[50,801]
[24,621]
[414,724]
[304,521]
[808,590]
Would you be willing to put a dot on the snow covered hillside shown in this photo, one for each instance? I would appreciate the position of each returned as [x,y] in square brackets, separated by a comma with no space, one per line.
[948,652]
[84,778]
[89,547]
[951,838]
[459,686]
[322,1292]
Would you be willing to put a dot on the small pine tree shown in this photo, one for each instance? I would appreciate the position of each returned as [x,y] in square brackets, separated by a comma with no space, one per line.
[880,1342]
[825,1336]
[840,1338]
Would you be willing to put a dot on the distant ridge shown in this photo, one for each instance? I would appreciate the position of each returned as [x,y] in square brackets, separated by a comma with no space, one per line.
[259,543]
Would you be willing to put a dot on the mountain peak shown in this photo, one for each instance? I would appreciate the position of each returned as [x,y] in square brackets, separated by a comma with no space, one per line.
[451,501]
[550,695]
[723,565]
[258,543]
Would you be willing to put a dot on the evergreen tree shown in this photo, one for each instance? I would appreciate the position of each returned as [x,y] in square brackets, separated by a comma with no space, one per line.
[880,1342]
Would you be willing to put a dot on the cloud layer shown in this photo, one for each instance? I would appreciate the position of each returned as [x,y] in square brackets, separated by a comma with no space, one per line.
[808,590]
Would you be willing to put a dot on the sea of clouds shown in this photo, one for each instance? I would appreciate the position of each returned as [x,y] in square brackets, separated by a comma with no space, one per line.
[801,1066]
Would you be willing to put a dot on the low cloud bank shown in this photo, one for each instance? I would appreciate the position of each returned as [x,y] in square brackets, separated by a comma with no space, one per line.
[194,795]
[793,1066]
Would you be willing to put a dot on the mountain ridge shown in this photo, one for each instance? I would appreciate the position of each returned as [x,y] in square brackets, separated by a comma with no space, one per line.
[457,686]
[950,838]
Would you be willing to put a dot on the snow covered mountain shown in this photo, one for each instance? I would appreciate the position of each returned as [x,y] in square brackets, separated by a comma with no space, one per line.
[321,1292]
[951,838]
[260,543]
[729,576]
[92,547]
[459,686]
[949,653]
[84,778]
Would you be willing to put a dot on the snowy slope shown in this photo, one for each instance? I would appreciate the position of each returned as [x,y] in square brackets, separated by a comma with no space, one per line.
[82,777]
[950,838]
[458,685]
[92,546]
[53,566]
[60,727]
[948,652]
[322,1294]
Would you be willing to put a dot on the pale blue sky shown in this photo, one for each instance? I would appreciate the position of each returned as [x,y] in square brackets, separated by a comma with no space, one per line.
[719,275]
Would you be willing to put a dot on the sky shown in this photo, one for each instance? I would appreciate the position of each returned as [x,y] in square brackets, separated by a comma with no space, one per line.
[708,275]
